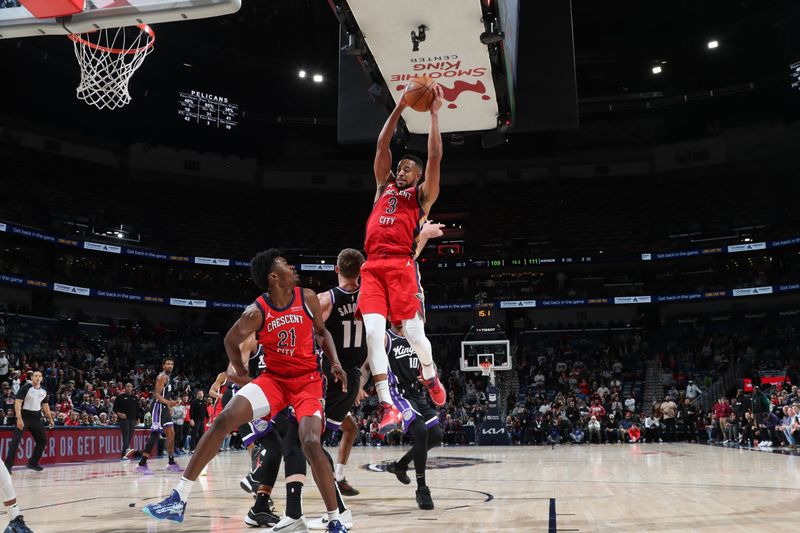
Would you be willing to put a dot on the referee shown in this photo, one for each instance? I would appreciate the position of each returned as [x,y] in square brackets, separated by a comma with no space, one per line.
[28,407]
[126,405]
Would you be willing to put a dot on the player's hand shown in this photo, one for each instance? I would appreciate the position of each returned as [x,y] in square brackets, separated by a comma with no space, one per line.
[361,396]
[191,423]
[339,375]
[52,424]
[239,379]
[438,100]
[20,425]
[431,230]
[173,403]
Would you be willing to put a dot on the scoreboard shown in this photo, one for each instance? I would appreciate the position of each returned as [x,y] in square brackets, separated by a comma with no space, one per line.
[195,107]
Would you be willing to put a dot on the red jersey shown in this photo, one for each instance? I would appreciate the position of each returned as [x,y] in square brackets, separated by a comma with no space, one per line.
[393,225]
[287,336]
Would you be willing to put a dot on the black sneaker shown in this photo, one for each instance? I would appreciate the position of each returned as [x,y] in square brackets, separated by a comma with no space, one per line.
[34,467]
[346,488]
[249,485]
[18,526]
[424,500]
[402,475]
[262,519]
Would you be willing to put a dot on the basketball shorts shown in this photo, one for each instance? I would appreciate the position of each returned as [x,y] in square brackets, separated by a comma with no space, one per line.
[337,402]
[162,418]
[270,394]
[412,403]
[391,287]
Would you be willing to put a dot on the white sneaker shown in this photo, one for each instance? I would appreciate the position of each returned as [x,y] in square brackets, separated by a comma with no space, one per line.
[291,525]
[346,518]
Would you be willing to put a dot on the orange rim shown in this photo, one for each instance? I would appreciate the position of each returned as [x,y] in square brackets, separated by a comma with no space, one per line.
[144,27]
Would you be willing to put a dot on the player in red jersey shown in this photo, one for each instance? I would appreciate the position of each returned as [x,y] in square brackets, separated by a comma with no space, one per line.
[390,277]
[285,320]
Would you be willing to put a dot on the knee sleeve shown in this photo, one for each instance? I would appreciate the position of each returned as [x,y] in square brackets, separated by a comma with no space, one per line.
[414,329]
[375,325]
[435,436]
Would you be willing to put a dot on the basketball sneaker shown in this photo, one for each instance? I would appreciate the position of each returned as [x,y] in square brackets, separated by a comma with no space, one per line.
[144,470]
[435,390]
[261,518]
[399,472]
[174,467]
[346,518]
[347,489]
[172,508]
[335,526]
[291,525]
[18,526]
[249,485]
[390,420]
[424,500]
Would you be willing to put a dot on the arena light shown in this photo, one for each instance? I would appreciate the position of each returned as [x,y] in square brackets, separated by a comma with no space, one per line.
[713,44]
[657,69]
[317,78]
[301,74]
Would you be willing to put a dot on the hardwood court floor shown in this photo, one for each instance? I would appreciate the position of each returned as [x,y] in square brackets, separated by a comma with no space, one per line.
[616,488]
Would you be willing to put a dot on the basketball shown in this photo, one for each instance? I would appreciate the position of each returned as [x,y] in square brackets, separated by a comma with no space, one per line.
[419,93]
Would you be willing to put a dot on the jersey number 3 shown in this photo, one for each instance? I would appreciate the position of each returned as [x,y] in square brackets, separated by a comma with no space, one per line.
[353,334]
[392,205]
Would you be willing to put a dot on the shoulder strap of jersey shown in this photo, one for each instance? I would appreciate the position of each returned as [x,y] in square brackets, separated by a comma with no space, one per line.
[299,292]
[261,304]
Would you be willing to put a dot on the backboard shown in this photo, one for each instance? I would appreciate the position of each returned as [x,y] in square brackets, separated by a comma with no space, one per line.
[497,352]
[18,21]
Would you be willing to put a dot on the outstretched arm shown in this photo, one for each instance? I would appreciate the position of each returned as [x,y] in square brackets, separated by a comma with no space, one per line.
[383,155]
[430,230]
[430,187]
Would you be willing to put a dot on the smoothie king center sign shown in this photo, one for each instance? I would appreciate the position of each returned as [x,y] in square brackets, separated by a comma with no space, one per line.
[452,55]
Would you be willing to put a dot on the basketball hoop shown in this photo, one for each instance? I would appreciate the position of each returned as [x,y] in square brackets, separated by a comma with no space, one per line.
[108,58]
[486,368]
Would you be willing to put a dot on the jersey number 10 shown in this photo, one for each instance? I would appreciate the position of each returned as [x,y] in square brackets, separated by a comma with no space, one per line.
[353,334]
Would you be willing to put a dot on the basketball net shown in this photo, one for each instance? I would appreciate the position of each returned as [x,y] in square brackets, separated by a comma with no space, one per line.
[108,58]
[486,370]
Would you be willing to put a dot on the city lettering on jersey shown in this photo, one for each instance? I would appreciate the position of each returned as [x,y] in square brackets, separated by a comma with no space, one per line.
[347,309]
[387,221]
[283,320]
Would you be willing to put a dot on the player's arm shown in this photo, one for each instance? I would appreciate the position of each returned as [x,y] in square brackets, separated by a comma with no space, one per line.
[322,332]
[161,382]
[429,190]
[214,390]
[244,327]
[249,346]
[362,382]
[430,230]
[325,304]
[383,154]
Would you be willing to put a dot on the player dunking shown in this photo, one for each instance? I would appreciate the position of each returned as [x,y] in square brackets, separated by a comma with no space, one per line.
[285,320]
[390,277]
[162,420]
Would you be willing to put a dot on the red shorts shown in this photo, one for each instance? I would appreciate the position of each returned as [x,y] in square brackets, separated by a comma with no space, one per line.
[305,393]
[390,287]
